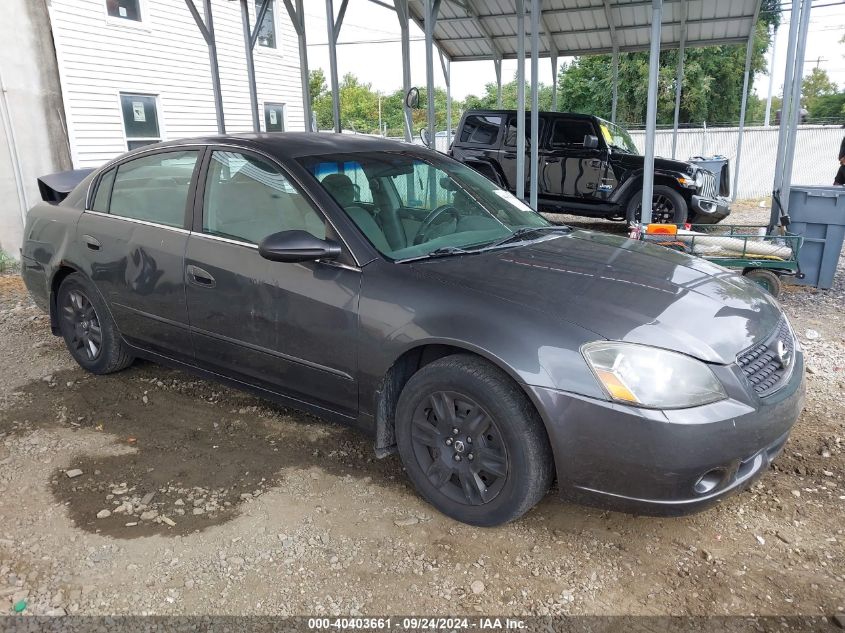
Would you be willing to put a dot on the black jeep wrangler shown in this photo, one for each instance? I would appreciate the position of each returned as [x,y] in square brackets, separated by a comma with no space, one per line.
[589,167]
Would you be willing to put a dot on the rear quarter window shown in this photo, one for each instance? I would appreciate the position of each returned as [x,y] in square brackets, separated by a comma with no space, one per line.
[480,129]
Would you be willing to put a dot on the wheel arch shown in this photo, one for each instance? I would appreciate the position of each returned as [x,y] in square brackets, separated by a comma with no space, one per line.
[406,365]
[63,271]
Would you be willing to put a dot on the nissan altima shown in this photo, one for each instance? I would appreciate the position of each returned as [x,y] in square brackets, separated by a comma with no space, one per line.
[389,287]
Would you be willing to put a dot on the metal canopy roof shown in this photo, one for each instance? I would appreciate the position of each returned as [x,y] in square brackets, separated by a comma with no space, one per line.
[468,30]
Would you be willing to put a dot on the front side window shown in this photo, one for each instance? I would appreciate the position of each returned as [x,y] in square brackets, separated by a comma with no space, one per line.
[126,9]
[267,28]
[152,188]
[247,199]
[140,120]
[480,129]
[570,132]
[511,129]
[421,205]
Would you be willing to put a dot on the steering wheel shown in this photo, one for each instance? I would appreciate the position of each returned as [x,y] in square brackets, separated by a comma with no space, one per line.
[431,218]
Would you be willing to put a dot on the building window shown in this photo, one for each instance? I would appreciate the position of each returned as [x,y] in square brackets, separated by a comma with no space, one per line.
[274,117]
[140,120]
[126,9]
[267,28]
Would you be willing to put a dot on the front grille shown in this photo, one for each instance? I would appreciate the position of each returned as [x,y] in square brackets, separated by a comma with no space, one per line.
[708,187]
[762,367]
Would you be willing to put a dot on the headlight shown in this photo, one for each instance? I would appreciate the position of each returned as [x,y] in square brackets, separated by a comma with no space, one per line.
[699,179]
[652,377]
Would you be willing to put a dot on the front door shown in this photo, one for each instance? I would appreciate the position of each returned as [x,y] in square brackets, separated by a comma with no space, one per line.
[287,327]
[508,153]
[567,168]
[134,239]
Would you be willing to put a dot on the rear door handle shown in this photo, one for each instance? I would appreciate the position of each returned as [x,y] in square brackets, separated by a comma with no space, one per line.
[92,242]
[200,277]
[551,160]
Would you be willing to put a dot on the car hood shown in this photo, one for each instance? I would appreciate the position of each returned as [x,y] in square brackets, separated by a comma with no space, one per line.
[636,161]
[624,290]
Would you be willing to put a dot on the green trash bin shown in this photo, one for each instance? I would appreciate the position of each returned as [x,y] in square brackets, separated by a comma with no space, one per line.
[818,213]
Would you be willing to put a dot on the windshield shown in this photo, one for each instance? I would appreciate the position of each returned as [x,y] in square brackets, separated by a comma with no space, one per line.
[410,207]
[617,137]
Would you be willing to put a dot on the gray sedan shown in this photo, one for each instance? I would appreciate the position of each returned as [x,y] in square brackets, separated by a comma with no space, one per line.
[391,288]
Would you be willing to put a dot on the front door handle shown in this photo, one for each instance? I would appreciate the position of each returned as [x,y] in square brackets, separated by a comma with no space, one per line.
[92,242]
[200,277]
[550,160]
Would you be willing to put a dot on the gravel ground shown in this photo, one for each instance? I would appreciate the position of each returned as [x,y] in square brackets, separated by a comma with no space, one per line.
[194,498]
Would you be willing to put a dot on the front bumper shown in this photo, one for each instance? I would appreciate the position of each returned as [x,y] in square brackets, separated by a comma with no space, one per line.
[674,462]
[709,210]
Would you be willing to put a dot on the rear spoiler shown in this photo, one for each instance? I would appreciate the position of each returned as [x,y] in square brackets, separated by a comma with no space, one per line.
[55,187]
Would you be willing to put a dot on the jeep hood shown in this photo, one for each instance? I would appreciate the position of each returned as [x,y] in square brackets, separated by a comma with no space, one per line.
[624,290]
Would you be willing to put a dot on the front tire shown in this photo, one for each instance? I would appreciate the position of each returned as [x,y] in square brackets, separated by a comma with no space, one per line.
[668,207]
[472,443]
[88,329]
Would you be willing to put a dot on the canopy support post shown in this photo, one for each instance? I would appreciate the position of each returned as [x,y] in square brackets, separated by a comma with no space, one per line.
[297,17]
[206,28]
[614,62]
[497,66]
[786,107]
[679,77]
[535,115]
[520,99]
[250,38]
[768,120]
[554,81]
[795,103]
[404,18]
[445,63]
[333,25]
[651,110]
[749,52]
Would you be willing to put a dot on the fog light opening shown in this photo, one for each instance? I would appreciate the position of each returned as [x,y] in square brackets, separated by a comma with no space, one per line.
[709,481]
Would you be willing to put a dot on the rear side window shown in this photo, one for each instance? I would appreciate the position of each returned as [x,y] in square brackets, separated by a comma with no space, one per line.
[154,188]
[481,129]
[101,200]
[570,132]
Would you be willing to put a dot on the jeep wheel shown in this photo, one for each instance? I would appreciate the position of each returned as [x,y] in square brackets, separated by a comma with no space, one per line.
[668,207]
[471,442]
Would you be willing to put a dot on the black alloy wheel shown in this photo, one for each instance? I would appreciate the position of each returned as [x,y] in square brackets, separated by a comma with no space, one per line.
[87,327]
[80,320]
[472,442]
[459,447]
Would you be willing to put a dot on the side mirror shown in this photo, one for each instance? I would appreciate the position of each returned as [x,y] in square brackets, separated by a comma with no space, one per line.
[591,142]
[424,137]
[412,99]
[297,246]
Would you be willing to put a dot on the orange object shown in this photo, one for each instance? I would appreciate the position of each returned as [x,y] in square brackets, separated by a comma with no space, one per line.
[661,229]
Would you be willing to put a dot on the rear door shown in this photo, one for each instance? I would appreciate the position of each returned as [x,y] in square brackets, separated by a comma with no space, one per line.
[134,238]
[567,169]
[287,327]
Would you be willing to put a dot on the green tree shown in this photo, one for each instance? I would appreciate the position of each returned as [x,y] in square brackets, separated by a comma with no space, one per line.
[815,86]
[316,83]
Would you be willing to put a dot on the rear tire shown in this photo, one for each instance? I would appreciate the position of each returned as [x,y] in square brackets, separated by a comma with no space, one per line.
[88,329]
[472,443]
[766,279]
[668,207]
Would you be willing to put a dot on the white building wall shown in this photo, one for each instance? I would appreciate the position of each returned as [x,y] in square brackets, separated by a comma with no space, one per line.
[164,55]
[32,131]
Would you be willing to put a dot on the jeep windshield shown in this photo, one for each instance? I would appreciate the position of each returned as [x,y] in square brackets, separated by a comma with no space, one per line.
[617,137]
[410,207]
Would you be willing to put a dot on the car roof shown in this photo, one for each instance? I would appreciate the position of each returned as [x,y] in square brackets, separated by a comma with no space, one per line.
[297,144]
[546,113]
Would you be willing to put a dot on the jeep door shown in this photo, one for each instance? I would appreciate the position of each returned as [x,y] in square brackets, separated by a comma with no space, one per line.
[508,152]
[568,169]
[477,144]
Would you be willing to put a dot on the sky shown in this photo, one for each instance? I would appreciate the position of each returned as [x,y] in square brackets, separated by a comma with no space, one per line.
[380,63]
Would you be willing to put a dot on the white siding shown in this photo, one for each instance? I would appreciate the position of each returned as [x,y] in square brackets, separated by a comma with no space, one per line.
[165,55]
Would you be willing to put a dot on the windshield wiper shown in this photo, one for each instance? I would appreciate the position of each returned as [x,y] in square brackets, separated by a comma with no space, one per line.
[524,232]
[443,251]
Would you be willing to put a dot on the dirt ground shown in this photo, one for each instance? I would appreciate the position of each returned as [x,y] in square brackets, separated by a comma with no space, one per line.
[221,503]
